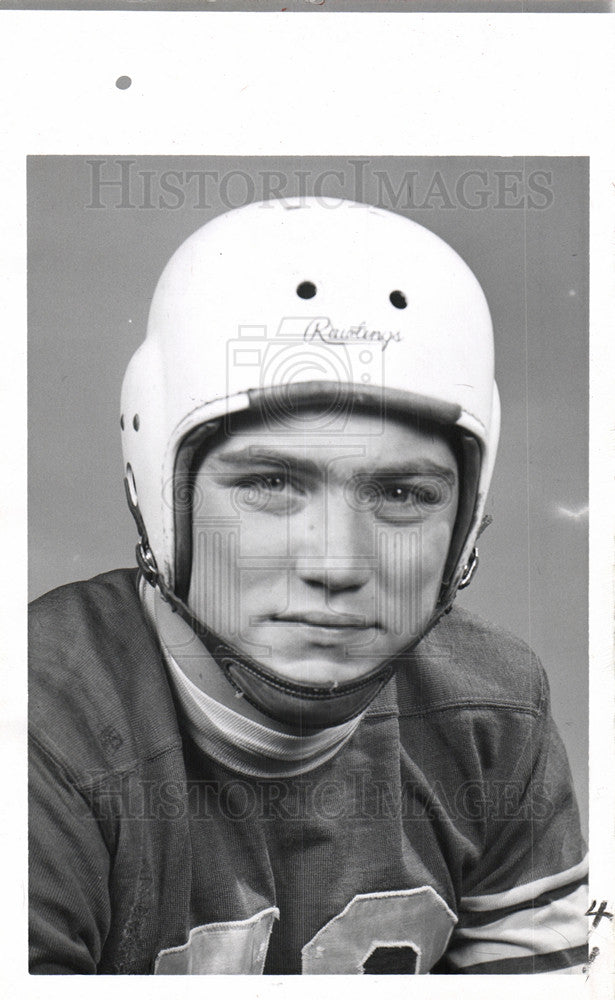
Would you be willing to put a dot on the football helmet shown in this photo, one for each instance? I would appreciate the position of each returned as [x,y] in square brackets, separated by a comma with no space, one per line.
[287,303]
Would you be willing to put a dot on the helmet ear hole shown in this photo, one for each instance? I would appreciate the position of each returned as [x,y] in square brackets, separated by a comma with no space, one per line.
[131,486]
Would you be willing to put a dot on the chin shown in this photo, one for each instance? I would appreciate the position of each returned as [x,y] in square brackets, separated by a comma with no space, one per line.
[325,666]
[320,671]
[320,659]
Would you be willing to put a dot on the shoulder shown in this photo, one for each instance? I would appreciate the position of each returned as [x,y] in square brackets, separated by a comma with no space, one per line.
[85,620]
[98,694]
[86,598]
[466,661]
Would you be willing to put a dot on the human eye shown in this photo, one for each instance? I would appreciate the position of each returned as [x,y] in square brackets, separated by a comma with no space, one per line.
[274,482]
[397,501]
[426,492]
[397,494]
[402,498]
[271,492]
[416,496]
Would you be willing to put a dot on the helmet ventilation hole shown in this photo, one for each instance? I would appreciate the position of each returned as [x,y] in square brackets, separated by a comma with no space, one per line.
[136,423]
[398,299]
[306,290]
[122,421]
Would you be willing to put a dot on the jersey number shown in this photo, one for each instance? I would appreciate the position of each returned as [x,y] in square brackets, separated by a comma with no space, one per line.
[404,931]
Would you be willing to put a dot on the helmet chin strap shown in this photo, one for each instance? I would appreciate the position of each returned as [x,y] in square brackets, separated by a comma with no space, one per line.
[302,706]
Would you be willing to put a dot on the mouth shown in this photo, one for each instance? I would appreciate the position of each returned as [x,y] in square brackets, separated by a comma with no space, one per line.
[325,620]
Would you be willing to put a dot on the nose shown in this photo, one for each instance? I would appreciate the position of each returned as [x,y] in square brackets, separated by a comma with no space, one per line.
[335,549]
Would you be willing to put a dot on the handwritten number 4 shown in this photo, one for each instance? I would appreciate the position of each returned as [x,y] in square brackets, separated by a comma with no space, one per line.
[599,913]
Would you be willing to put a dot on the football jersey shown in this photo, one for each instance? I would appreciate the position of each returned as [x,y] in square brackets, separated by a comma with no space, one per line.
[442,835]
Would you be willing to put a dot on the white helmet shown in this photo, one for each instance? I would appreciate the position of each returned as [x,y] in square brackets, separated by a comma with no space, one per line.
[315,301]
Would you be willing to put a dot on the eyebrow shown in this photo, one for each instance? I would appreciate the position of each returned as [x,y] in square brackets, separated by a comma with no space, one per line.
[251,456]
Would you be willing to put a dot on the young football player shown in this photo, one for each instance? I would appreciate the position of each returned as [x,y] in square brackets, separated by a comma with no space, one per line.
[277,747]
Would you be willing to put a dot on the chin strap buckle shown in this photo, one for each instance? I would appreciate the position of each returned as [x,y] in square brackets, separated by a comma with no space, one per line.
[147,563]
[469,570]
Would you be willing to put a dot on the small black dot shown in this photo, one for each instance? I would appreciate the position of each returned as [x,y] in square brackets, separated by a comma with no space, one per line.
[136,422]
[306,290]
[398,299]
[123,82]
[122,421]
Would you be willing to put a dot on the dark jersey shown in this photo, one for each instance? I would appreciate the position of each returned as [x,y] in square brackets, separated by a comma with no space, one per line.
[443,836]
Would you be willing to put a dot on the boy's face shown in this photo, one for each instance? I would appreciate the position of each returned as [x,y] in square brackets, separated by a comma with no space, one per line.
[321,554]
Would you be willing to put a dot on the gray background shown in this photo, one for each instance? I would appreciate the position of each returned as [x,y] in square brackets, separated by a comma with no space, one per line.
[95,254]
[327,6]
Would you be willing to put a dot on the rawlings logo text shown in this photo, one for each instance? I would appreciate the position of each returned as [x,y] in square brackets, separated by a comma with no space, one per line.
[322,329]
